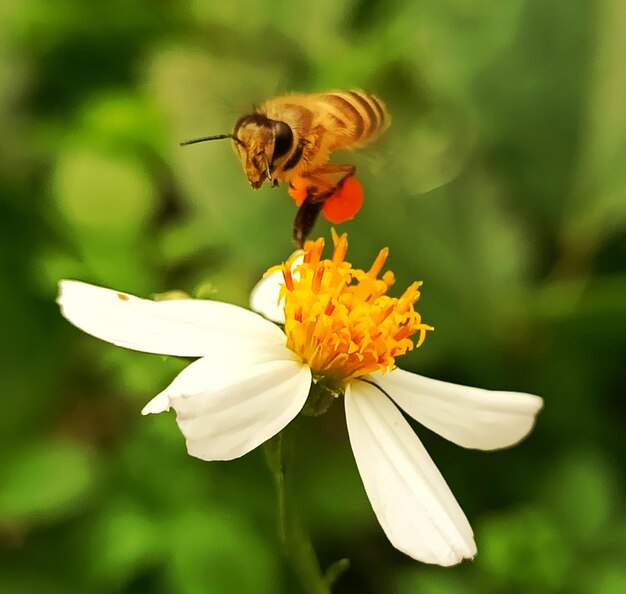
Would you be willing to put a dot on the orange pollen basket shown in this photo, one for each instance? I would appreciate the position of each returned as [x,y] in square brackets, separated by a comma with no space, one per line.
[340,320]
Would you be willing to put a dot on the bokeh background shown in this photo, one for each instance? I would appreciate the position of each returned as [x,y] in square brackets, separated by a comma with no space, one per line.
[501,184]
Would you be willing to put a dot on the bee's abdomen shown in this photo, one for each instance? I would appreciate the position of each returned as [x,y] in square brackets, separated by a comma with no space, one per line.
[365,115]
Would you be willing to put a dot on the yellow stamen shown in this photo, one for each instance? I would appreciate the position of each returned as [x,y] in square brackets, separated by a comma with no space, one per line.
[340,320]
[341,247]
[288,279]
[379,262]
[317,278]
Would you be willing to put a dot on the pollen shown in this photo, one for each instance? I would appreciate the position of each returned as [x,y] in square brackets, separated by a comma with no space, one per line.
[340,320]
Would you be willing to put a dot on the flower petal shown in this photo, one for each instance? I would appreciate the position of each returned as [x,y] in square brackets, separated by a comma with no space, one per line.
[180,327]
[410,498]
[264,295]
[469,417]
[228,360]
[228,409]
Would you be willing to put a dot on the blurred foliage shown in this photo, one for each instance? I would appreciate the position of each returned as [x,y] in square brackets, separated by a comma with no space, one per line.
[501,184]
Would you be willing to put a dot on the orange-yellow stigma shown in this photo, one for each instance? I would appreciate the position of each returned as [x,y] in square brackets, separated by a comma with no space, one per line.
[340,320]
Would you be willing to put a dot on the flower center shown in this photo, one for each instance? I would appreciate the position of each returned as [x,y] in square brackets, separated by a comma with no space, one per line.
[340,320]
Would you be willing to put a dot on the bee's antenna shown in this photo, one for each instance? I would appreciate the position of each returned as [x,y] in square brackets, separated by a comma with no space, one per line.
[206,138]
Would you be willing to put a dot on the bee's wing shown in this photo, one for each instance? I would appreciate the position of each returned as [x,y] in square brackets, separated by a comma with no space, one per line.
[418,157]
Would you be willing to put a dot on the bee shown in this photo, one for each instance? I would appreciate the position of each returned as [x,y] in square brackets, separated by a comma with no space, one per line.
[290,138]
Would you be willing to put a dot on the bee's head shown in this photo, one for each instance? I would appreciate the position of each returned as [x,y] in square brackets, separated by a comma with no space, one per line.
[259,142]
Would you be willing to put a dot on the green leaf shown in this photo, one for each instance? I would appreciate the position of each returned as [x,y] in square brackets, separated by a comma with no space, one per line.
[598,207]
[336,570]
[581,495]
[422,580]
[100,193]
[610,579]
[13,582]
[46,481]
[524,548]
[216,551]
[124,540]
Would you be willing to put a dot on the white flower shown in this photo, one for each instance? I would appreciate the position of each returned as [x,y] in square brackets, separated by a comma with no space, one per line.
[252,379]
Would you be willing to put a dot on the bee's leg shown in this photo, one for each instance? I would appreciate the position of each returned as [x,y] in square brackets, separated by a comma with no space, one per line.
[336,169]
[305,218]
[328,178]
[321,185]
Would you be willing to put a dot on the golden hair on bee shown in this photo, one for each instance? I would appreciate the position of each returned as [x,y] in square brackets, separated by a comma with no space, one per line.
[290,138]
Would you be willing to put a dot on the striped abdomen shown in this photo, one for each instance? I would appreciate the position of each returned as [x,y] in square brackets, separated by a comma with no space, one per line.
[363,116]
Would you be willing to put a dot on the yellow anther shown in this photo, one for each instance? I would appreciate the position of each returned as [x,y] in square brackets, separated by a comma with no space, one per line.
[317,278]
[379,262]
[341,247]
[288,279]
[340,320]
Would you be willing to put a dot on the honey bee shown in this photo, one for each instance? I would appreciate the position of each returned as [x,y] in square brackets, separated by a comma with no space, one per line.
[290,139]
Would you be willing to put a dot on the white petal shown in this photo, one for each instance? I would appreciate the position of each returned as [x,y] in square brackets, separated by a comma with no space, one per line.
[469,417]
[160,403]
[412,501]
[228,360]
[181,327]
[228,410]
[264,297]
[265,294]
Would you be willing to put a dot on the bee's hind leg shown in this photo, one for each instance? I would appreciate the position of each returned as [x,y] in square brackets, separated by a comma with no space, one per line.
[305,218]
[326,180]
[322,184]
[335,174]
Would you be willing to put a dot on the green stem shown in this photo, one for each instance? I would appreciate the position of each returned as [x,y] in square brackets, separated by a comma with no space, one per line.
[295,539]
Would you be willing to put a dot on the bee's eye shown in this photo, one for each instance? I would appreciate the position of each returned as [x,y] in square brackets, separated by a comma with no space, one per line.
[283,139]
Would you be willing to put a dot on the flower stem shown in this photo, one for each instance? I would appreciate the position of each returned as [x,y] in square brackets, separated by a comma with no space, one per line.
[296,541]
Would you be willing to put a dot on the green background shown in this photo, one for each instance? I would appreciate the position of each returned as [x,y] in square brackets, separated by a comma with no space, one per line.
[501,184]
